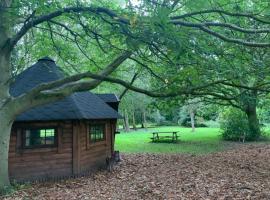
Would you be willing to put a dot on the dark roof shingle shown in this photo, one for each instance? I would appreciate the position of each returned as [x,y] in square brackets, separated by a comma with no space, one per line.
[109,98]
[80,105]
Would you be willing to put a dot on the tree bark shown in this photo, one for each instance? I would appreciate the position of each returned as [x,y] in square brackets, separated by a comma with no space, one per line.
[253,122]
[134,121]
[144,120]
[126,122]
[5,110]
[192,120]
[5,127]
[250,108]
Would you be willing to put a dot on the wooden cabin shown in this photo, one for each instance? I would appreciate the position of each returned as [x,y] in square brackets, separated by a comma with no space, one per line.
[69,137]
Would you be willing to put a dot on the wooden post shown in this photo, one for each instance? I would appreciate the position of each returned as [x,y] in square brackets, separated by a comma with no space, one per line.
[76,148]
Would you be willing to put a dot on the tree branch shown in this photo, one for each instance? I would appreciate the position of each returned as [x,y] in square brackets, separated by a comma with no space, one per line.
[175,20]
[131,83]
[219,24]
[46,92]
[221,36]
[246,15]
[43,18]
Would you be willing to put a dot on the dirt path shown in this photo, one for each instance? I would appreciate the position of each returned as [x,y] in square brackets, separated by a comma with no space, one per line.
[242,173]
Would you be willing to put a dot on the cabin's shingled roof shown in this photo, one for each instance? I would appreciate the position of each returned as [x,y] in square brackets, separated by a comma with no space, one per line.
[80,105]
[109,97]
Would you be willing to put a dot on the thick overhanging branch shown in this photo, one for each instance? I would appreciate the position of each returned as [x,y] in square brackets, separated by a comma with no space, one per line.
[81,86]
[232,40]
[219,24]
[246,15]
[263,87]
[220,102]
[203,27]
[45,93]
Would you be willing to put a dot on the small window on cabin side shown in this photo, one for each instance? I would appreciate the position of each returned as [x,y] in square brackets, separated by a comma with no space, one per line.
[96,132]
[39,137]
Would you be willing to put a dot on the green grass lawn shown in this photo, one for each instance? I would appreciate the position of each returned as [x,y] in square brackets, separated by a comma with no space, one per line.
[203,140]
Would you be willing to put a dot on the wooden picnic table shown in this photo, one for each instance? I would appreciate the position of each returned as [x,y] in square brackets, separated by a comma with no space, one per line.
[157,135]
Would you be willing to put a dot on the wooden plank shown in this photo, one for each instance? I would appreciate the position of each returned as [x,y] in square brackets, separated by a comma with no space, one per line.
[18,140]
[76,150]
[42,161]
[34,175]
[59,137]
[87,136]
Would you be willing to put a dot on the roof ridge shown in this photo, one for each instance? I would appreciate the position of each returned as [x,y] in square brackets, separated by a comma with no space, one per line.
[78,108]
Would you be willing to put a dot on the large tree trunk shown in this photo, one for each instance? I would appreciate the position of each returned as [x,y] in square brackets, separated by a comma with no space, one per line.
[5,119]
[250,102]
[144,120]
[253,122]
[5,110]
[192,120]
[126,121]
[5,127]
[134,121]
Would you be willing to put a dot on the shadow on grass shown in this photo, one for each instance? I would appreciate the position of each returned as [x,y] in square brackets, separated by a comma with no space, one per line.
[166,141]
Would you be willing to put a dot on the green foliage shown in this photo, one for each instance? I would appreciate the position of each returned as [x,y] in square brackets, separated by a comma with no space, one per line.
[7,191]
[234,125]
[212,124]
[12,189]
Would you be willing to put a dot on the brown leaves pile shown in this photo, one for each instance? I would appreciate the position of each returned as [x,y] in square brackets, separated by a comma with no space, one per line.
[242,173]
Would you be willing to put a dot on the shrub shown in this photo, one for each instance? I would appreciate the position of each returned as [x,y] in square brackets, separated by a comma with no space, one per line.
[234,125]
[212,124]
[187,123]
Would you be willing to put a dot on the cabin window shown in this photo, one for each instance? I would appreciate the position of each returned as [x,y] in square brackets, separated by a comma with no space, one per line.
[39,137]
[96,132]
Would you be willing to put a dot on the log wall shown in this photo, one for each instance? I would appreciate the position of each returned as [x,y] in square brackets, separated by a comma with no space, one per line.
[73,155]
[93,155]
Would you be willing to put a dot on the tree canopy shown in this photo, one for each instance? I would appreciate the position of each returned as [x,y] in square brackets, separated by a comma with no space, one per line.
[216,50]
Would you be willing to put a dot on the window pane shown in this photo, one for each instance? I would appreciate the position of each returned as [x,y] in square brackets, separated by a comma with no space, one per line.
[39,137]
[96,133]
[42,133]
[50,136]
[92,137]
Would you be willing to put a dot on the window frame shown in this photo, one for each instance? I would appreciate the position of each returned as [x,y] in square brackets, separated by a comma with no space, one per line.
[39,146]
[90,141]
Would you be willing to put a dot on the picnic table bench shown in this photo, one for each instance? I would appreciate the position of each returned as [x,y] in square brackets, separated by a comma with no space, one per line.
[158,135]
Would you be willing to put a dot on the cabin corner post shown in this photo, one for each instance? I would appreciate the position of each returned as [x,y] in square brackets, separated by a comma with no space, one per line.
[76,148]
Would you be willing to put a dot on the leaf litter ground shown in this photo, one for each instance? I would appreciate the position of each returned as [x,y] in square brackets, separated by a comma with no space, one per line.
[241,173]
